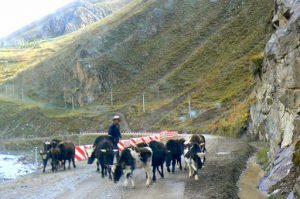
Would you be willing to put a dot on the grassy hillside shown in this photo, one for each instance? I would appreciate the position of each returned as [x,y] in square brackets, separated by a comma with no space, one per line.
[168,50]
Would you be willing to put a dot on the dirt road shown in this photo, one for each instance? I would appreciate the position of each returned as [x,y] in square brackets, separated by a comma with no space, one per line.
[225,161]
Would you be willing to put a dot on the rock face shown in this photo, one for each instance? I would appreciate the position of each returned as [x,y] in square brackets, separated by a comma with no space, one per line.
[275,116]
[280,170]
[68,19]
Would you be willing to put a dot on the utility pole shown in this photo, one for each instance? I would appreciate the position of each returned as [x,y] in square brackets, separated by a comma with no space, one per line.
[144,102]
[22,88]
[6,89]
[65,101]
[22,92]
[72,103]
[190,109]
[13,89]
[111,96]
[36,155]
[158,97]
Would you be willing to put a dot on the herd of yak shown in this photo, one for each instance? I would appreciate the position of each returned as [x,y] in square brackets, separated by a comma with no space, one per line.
[151,157]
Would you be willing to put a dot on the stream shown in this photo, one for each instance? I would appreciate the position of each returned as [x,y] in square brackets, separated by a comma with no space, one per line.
[12,166]
[249,181]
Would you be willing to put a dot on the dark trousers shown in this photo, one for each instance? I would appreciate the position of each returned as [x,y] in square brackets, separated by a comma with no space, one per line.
[115,142]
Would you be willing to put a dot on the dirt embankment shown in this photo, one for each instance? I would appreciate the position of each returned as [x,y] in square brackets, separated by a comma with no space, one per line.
[225,160]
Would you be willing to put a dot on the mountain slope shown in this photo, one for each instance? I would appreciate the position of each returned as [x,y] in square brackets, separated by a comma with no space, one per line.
[70,18]
[168,50]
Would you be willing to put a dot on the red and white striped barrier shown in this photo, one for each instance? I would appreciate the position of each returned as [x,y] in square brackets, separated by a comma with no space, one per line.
[169,134]
[123,133]
[83,152]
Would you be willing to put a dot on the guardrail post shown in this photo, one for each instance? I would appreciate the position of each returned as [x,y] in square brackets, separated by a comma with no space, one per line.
[36,156]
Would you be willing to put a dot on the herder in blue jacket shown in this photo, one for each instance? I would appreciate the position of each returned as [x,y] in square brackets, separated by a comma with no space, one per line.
[114,130]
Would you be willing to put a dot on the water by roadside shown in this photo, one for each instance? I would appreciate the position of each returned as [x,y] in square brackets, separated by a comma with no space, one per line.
[12,166]
[249,181]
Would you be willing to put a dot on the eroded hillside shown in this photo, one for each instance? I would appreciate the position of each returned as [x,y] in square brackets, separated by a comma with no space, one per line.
[170,51]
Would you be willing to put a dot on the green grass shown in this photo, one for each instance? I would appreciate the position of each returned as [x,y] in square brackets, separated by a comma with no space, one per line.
[276,197]
[18,60]
[257,64]
[19,119]
[204,49]
[296,155]
[262,156]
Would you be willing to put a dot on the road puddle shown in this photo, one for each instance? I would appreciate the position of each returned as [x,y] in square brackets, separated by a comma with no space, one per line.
[223,153]
[249,181]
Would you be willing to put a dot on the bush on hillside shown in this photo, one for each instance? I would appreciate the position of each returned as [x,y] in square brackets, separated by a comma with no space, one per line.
[296,155]
[257,64]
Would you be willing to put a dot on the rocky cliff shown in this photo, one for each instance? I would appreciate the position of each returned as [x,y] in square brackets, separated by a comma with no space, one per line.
[70,18]
[275,116]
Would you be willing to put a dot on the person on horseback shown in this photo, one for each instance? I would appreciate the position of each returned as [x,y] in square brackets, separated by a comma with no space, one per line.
[114,130]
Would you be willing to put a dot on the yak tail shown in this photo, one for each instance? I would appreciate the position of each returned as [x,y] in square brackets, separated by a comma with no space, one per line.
[92,158]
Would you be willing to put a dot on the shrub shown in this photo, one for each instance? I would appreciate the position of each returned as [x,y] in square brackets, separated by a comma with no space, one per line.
[296,155]
[262,156]
[257,64]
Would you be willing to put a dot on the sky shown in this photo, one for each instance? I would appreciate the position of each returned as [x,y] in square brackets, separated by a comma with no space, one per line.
[15,14]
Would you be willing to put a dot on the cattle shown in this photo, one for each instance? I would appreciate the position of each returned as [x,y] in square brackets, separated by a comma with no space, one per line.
[196,139]
[100,138]
[46,153]
[130,159]
[194,158]
[105,153]
[142,144]
[194,154]
[159,156]
[62,151]
[175,149]
[96,142]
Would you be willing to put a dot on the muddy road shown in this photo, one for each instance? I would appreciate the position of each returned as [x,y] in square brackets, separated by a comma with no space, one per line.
[225,160]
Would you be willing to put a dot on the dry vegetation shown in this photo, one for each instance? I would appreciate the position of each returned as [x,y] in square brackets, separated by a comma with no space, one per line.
[183,48]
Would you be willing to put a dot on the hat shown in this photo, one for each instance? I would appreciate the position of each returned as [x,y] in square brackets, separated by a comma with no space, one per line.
[116,117]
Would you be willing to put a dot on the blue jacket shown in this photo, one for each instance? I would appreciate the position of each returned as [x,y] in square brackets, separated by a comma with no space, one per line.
[114,131]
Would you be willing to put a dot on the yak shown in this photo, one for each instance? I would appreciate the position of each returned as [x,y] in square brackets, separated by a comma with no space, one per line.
[105,153]
[194,154]
[195,158]
[159,157]
[46,152]
[130,159]
[175,149]
[62,151]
